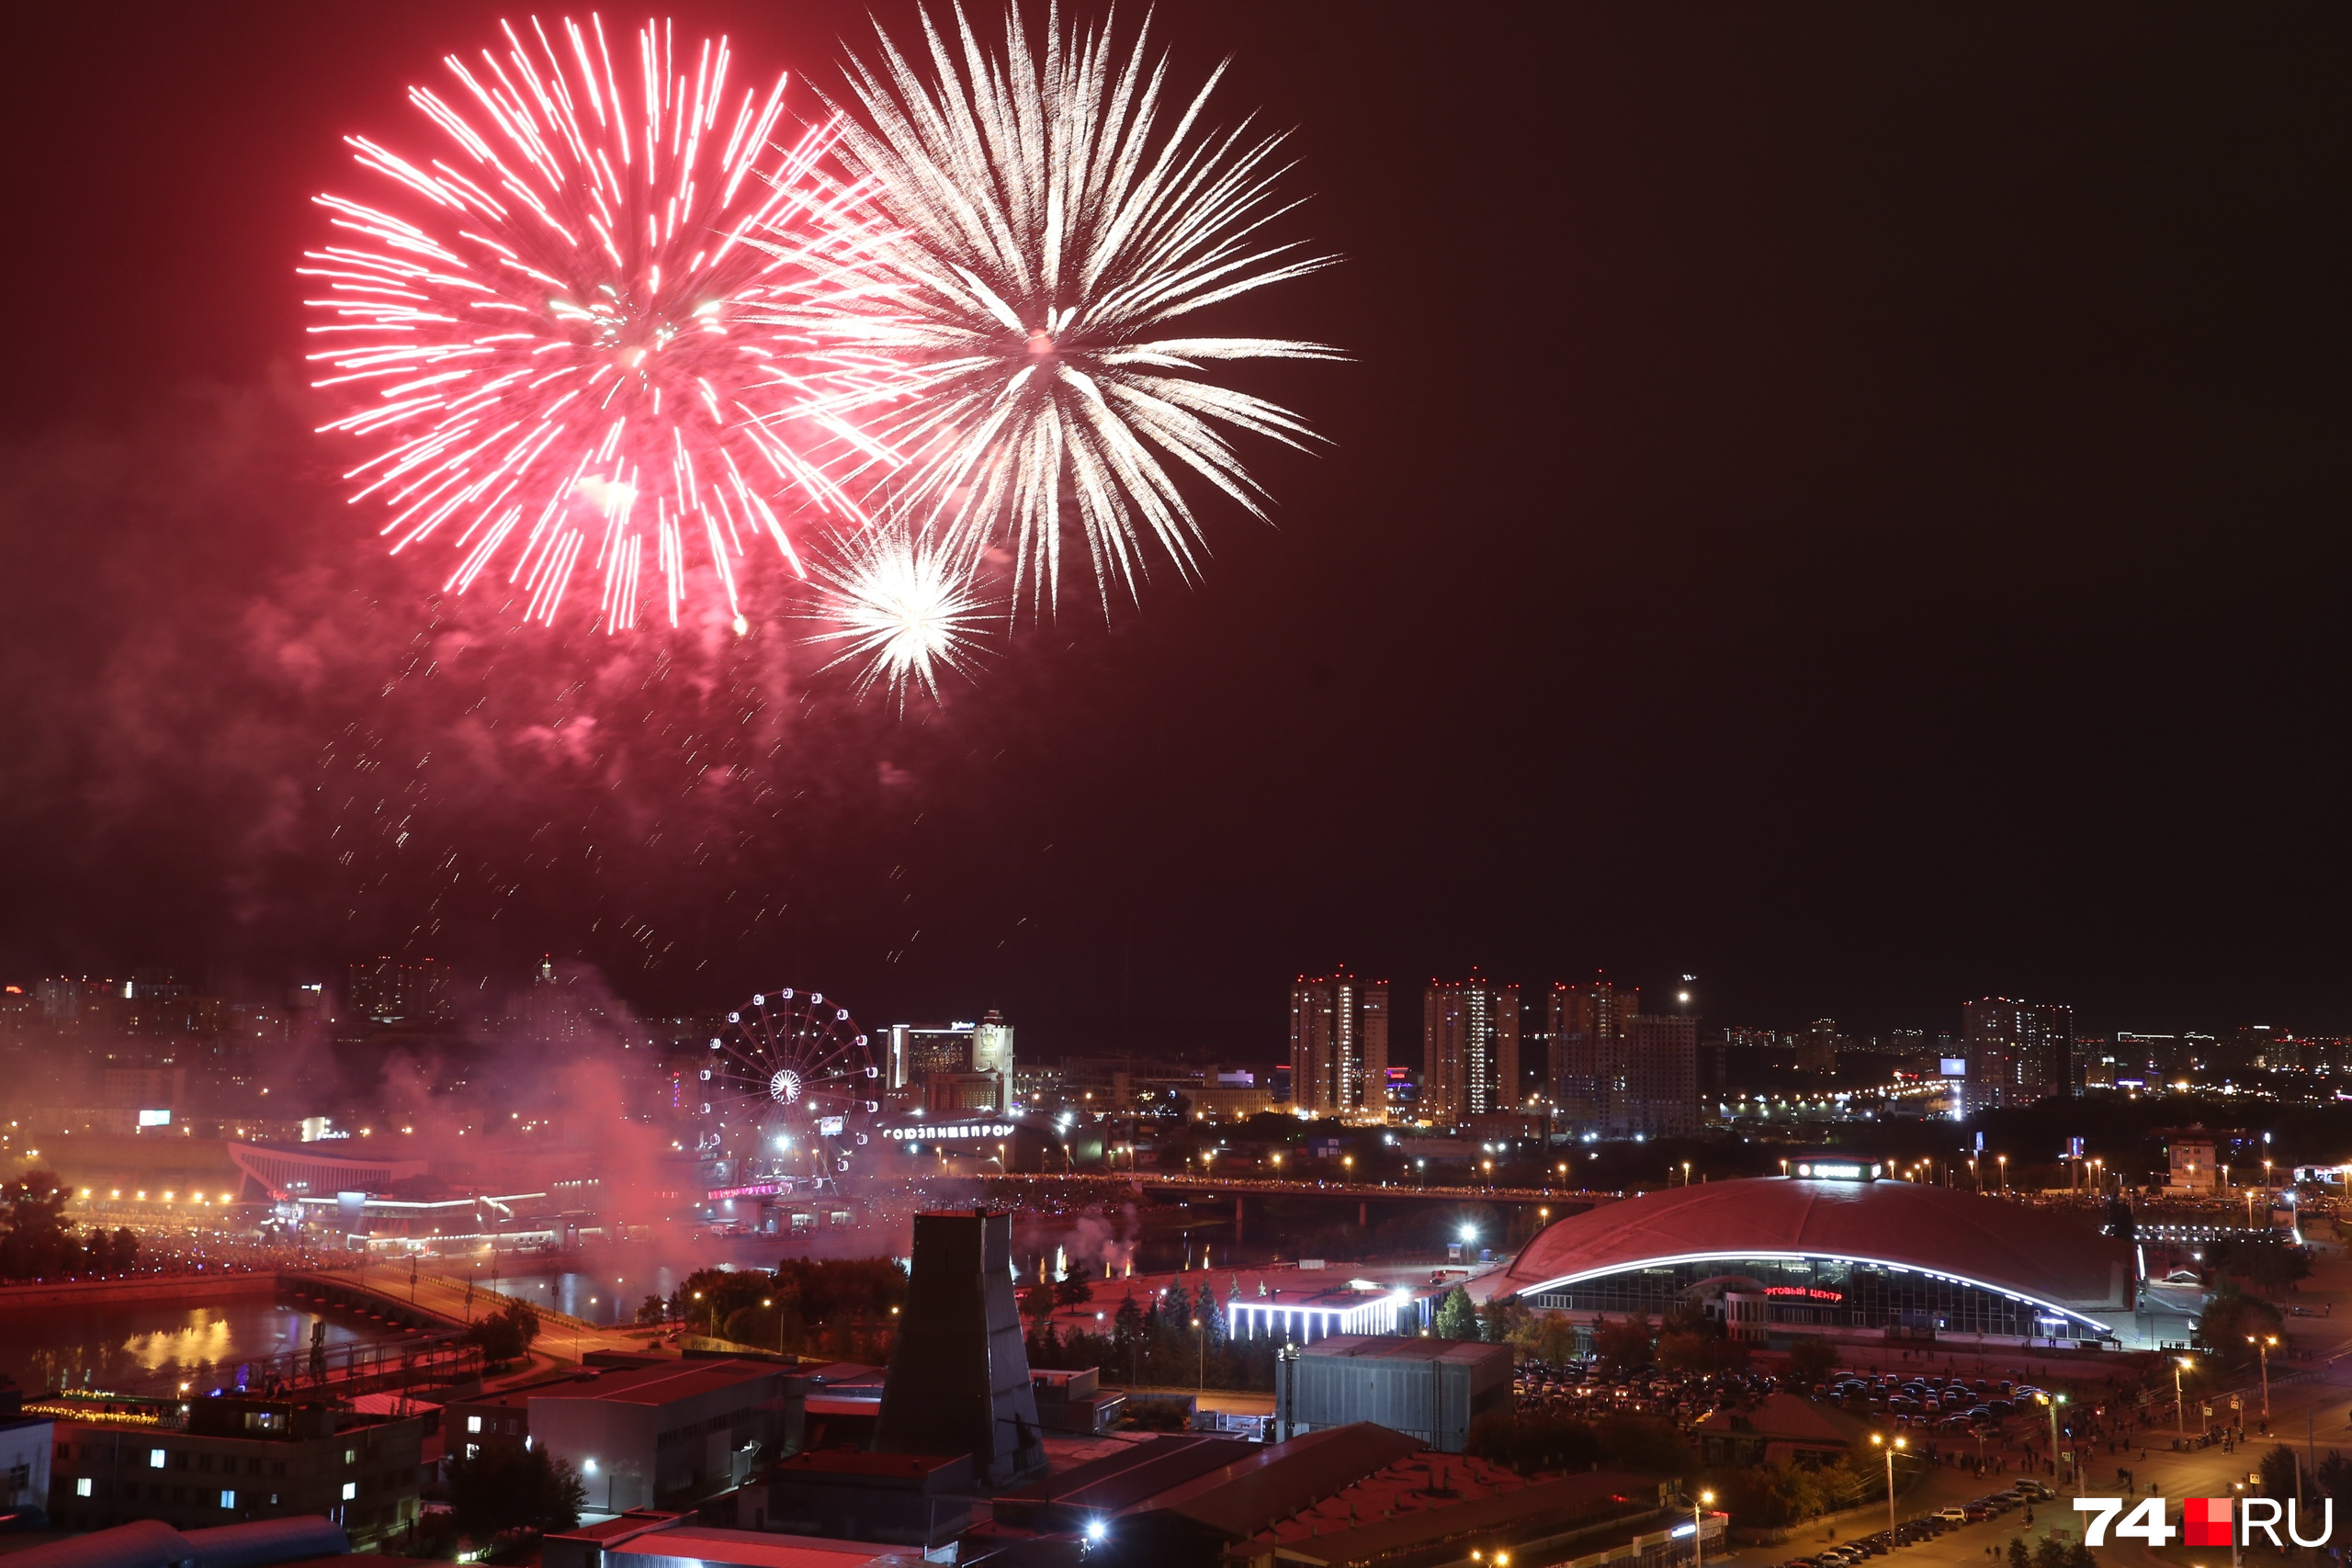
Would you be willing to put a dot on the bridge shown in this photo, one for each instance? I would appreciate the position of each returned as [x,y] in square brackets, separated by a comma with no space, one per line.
[1545,1204]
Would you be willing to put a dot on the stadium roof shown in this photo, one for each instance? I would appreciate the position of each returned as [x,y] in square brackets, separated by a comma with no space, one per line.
[2013,1247]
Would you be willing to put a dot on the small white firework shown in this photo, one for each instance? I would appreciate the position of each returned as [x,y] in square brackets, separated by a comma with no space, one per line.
[1042,228]
[901,605]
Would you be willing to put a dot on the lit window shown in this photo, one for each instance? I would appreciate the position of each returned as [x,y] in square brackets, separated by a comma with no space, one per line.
[473,1423]
[473,1451]
[82,1487]
[350,1490]
[228,1499]
[154,1459]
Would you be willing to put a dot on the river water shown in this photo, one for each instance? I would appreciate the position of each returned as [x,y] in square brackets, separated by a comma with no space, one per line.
[151,1346]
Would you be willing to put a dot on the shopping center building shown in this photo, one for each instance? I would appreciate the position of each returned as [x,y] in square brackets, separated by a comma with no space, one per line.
[1849,1254]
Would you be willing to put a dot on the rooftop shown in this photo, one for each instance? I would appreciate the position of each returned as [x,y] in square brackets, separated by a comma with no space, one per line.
[2026,1251]
[662,1384]
[752,1548]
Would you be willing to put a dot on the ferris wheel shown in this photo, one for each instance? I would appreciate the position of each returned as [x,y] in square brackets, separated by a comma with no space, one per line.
[791,1090]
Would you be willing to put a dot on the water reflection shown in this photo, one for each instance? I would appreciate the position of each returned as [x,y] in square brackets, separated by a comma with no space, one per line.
[153,1345]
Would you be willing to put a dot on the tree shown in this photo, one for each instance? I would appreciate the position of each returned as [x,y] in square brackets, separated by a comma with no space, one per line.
[2051,1553]
[506,1333]
[2230,1318]
[122,1251]
[1624,1344]
[2018,1556]
[1073,1292]
[2279,1471]
[1811,1361]
[1038,1300]
[34,1242]
[1555,1338]
[2334,1476]
[503,1488]
[1456,1318]
[1507,1320]
[653,1309]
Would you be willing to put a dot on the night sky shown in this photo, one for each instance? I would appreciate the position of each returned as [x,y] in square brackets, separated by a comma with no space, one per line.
[1845,502]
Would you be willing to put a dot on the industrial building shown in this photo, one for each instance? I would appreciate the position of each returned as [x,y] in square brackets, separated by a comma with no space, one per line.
[1838,1247]
[1353,1496]
[645,1538]
[959,1375]
[1429,1390]
[644,1435]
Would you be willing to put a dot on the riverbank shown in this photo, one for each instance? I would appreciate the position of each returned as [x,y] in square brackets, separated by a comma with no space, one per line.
[160,1288]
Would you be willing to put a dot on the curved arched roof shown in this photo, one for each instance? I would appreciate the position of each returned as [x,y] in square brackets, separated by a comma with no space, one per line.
[2023,1250]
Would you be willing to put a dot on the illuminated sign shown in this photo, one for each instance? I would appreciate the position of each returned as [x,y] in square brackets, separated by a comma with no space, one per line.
[1955,1066]
[950,1130]
[1841,1170]
[828,1127]
[1809,1293]
[758,1189]
[154,1119]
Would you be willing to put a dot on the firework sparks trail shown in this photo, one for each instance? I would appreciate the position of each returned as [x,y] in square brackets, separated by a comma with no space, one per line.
[1042,233]
[554,317]
[900,604]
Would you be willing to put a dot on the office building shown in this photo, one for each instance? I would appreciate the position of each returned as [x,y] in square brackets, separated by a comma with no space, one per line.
[1587,1023]
[2018,1052]
[1339,1047]
[1469,1049]
[914,1053]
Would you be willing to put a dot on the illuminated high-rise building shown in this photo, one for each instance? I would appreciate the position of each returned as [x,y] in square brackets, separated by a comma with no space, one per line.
[1339,1047]
[1469,1049]
[2018,1052]
[1587,1023]
[390,990]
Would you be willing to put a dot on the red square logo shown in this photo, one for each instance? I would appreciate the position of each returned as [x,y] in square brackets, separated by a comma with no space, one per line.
[2205,1521]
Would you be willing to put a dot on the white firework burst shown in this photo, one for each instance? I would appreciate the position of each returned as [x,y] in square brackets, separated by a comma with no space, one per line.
[1046,222]
[900,604]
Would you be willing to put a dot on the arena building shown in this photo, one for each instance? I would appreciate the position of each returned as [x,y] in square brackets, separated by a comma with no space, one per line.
[1842,1255]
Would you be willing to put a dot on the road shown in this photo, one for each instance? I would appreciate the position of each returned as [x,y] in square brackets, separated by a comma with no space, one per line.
[2311,1408]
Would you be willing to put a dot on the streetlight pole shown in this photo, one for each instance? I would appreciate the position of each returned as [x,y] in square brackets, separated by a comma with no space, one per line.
[2005,1174]
[1890,1447]
[2263,1347]
[2053,1401]
[2180,1400]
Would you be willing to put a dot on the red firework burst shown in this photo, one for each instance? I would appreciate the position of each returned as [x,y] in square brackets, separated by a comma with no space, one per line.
[553,315]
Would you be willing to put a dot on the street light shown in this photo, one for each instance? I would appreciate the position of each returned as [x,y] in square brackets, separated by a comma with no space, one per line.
[2005,1174]
[2053,1403]
[2263,1347]
[1878,1442]
[2180,1400]
[1698,1532]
